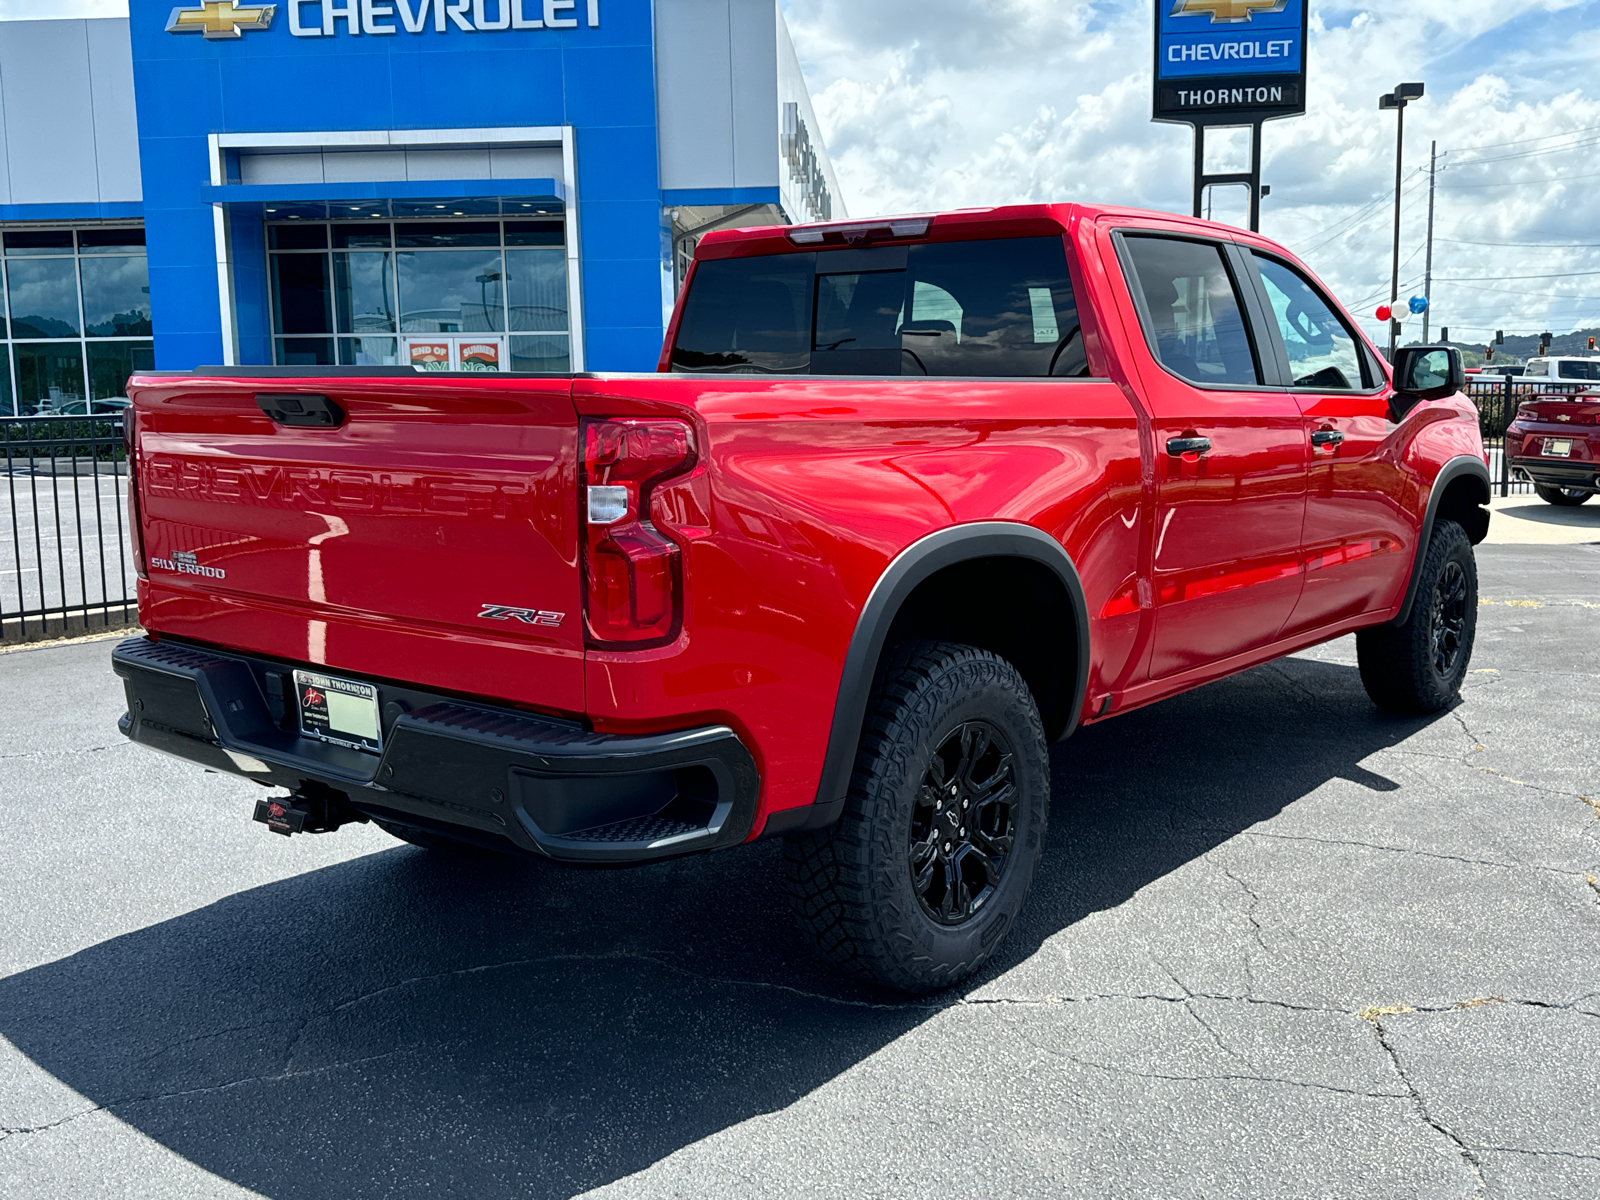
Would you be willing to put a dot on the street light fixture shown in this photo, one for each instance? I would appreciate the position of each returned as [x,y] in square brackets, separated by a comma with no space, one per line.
[1397,100]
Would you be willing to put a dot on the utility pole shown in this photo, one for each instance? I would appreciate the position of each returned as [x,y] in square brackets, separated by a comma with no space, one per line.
[1427,284]
[1398,99]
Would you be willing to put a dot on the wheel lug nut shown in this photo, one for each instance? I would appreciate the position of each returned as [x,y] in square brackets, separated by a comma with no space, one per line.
[963,831]
[966,804]
[947,847]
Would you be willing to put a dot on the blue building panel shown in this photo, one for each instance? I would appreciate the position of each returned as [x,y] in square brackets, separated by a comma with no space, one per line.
[597,79]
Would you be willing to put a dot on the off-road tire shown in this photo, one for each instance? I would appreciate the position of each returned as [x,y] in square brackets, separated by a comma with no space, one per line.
[852,885]
[1417,668]
[1561,497]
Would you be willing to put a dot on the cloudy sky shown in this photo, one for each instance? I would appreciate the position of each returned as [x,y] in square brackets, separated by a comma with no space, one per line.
[930,104]
[948,103]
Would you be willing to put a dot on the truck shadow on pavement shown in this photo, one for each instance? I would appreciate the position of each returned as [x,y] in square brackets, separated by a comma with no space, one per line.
[407,1022]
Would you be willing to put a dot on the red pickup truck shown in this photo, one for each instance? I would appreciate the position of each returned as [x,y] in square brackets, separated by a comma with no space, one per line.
[907,501]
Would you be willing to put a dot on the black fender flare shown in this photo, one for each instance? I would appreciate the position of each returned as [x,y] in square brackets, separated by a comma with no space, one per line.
[911,567]
[1455,468]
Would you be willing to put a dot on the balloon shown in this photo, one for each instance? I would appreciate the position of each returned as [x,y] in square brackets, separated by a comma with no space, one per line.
[1418,304]
[1384,312]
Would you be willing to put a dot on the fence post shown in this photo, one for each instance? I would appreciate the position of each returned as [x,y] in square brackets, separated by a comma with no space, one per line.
[1507,413]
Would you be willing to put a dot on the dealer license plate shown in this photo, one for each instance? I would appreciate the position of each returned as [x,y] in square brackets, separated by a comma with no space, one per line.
[1558,447]
[340,711]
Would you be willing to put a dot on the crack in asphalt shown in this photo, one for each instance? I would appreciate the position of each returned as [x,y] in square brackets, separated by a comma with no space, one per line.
[1420,1106]
[6,1132]
[1250,914]
[1228,1078]
[1538,1153]
[1473,862]
[62,753]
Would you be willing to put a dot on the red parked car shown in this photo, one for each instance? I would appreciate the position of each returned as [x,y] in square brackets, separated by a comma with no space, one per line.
[907,501]
[1555,442]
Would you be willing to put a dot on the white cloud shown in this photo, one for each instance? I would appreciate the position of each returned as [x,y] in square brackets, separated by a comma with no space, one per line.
[952,103]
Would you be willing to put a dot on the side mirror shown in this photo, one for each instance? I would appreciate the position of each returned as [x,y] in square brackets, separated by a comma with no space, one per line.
[1428,372]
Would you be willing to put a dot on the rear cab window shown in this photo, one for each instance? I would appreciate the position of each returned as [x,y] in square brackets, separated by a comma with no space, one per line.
[999,307]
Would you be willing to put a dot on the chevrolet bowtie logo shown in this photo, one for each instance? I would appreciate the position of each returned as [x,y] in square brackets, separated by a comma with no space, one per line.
[1224,12]
[220,18]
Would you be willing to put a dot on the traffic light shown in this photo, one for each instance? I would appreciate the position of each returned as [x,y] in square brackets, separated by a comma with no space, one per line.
[1444,333]
[1499,337]
[1591,343]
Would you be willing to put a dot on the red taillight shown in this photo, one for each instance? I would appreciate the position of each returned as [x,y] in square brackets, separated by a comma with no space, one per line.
[130,449]
[633,570]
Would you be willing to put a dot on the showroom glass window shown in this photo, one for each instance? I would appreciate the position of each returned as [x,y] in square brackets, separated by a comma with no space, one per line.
[359,293]
[77,318]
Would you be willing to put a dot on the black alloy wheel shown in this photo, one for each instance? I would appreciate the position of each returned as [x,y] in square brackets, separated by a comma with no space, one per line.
[925,871]
[1417,666]
[1449,618]
[962,823]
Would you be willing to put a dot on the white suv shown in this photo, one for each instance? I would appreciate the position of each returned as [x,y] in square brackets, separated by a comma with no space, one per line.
[1561,370]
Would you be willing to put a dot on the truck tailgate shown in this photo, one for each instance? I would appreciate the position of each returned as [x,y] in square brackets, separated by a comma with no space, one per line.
[430,536]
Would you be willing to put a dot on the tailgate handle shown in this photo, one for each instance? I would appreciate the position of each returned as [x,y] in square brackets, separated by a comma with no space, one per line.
[301,411]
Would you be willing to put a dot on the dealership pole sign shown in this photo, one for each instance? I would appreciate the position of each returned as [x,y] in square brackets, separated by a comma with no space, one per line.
[1230,62]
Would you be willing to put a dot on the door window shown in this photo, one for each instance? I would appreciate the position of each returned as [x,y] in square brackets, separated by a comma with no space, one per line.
[1196,324]
[1322,350]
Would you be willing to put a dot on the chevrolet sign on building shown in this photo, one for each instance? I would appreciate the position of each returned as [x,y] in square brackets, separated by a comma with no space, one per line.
[452,185]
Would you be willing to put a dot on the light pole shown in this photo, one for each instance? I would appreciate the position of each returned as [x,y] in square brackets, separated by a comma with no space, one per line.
[1398,99]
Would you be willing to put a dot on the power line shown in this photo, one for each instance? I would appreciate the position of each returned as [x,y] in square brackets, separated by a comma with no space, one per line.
[1521,182]
[1525,245]
[1481,278]
[1544,137]
[1324,236]
[1561,149]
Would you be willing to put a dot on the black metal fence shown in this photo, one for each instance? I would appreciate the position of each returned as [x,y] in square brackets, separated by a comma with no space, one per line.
[67,566]
[1497,403]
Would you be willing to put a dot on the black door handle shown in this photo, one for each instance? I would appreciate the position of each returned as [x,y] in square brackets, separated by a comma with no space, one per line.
[1177,447]
[1327,437]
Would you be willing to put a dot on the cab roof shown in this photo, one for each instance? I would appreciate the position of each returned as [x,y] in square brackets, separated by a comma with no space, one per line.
[965,224]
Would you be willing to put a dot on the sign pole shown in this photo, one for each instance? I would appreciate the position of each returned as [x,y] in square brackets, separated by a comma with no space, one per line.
[1229,63]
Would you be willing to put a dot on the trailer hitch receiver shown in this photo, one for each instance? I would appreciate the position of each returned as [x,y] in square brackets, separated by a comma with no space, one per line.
[311,808]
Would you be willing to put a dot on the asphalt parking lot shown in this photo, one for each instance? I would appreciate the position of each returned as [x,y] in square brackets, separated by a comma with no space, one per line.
[1281,946]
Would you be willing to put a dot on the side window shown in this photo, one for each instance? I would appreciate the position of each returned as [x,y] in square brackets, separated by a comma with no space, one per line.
[1196,324]
[749,316]
[1322,350]
[1580,370]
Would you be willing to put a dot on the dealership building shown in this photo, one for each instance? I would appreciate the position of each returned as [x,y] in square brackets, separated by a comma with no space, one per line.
[451,184]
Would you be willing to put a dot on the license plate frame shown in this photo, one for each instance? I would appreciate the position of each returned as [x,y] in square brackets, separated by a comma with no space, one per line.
[342,712]
[1557,448]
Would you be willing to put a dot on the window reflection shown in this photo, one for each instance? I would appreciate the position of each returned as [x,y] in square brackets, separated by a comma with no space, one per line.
[44,297]
[116,296]
[364,292]
[49,377]
[110,364]
[458,291]
[547,353]
[356,284]
[536,284]
[63,286]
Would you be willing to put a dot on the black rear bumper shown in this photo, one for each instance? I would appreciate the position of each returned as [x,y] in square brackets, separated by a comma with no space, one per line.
[1559,472]
[489,774]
